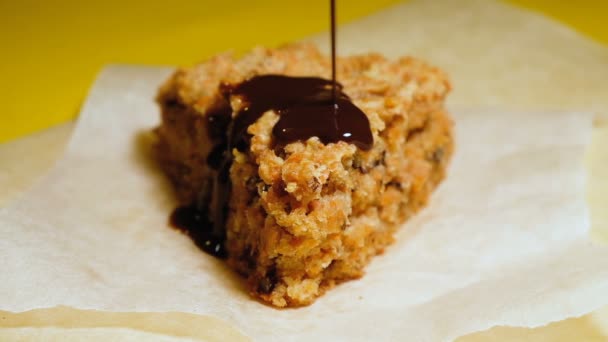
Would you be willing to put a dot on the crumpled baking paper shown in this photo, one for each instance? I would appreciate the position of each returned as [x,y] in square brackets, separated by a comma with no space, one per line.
[502,242]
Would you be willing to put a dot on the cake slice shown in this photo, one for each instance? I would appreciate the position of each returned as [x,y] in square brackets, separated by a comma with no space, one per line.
[298,217]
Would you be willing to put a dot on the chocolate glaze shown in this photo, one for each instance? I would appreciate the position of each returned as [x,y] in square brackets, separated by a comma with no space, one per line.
[331,123]
[201,220]
[195,222]
[307,107]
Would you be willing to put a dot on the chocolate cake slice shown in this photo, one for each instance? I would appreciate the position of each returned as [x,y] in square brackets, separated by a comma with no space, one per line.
[295,193]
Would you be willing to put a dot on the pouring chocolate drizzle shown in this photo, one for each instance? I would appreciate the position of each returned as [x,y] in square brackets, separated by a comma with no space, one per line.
[307,107]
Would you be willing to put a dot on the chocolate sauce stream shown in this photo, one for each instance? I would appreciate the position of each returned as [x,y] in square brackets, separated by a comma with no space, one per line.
[332,13]
[307,107]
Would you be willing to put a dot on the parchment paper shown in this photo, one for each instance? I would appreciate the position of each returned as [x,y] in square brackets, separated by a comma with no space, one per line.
[502,242]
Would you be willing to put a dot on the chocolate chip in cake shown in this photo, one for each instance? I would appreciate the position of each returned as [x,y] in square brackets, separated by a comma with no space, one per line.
[269,281]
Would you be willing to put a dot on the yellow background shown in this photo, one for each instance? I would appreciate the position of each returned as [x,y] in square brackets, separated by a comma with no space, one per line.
[52,50]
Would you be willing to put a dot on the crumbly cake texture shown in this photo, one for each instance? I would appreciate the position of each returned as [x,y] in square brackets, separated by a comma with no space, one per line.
[310,216]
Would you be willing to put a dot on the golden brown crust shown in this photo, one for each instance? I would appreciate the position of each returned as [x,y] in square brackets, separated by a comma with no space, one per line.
[311,216]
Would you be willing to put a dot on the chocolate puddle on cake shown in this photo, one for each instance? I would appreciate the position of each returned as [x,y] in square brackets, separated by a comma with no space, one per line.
[308,107]
[296,180]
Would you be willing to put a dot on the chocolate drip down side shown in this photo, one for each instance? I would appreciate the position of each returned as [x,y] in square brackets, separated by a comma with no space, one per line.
[307,107]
